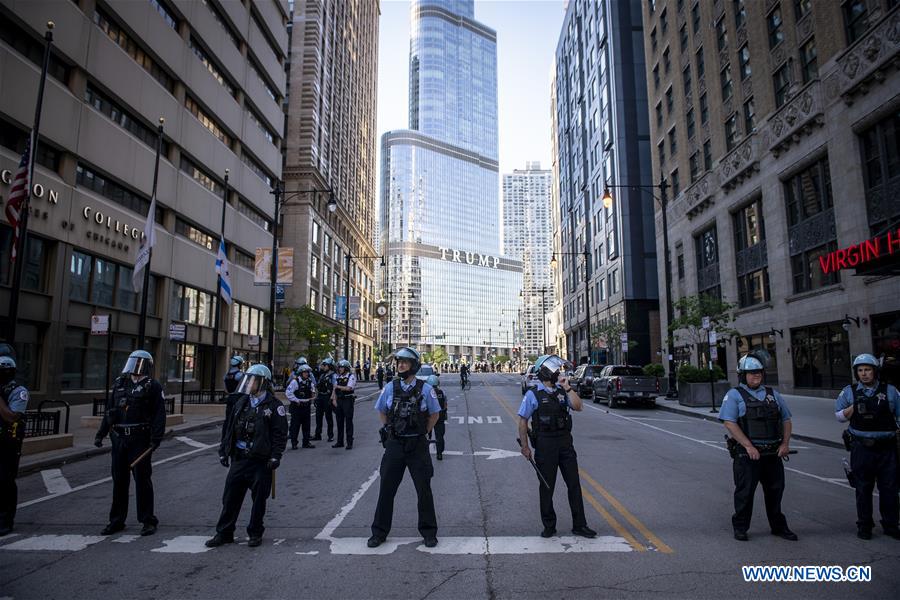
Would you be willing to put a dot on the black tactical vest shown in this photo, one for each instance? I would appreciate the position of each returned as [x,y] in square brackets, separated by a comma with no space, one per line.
[551,417]
[304,389]
[245,425]
[872,413]
[324,384]
[762,420]
[130,401]
[15,430]
[344,380]
[406,416]
[231,380]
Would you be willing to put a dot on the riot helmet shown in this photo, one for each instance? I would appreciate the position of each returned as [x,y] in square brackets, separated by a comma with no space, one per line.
[139,363]
[434,381]
[237,361]
[411,355]
[304,369]
[868,360]
[344,364]
[752,362]
[7,369]
[255,381]
[549,367]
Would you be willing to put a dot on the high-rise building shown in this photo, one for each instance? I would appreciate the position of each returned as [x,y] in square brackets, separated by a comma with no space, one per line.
[607,255]
[526,236]
[776,125]
[331,156]
[215,71]
[448,283]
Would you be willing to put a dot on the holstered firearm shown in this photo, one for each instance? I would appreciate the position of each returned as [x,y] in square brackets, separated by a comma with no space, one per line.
[848,439]
[733,447]
[532,437]
[384,434]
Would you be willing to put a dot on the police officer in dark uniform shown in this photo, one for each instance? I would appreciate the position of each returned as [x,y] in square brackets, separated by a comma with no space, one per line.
[440,426]
[759,422]
[135,420]
[13,402]
[300,392]
[253,444]
[343,400]
[408,408]
[379,374]
[324,390]
[873,410]
[548,408]
[234,374]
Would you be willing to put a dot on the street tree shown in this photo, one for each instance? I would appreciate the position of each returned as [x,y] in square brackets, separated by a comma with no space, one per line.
[305,328]
[687,327]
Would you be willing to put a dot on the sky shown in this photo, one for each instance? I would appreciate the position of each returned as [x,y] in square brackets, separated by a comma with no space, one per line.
[527,32]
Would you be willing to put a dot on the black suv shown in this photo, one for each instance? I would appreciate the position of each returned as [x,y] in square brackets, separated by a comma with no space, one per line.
[583,378]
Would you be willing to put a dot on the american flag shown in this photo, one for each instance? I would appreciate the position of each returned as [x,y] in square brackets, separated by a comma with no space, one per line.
[18,194]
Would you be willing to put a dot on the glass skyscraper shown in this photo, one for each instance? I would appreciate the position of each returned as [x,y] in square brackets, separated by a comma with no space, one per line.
[447,281]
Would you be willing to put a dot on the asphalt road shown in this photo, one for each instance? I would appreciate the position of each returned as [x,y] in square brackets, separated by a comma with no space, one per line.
[657,488]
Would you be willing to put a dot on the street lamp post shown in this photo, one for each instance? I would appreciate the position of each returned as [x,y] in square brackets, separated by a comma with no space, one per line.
[670,311]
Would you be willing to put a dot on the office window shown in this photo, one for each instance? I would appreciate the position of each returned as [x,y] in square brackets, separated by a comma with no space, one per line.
[653,39]
[664,20]
[721,34]
[136,52]
[695,166]
[751,262]
[87,177]
[32,48]
[695,17]
[673,142]
[252,213]
[707,155]
[856,19]
[881,170]
[744,62]
[207,121]
[201,176]
[808,195]
[223,23]
[704,109]
[667,60]
[214,69]
[655,76]
[669,101]
[776,27]
[195,234]
[661,151]
[686,80]
[258,121]
[679,260]
[166,13]
[683,38]
[659,114]
[801,8]
[749,116]
[782,82]
[808,60]
[731,133]
[690,123]
[314,267]
[676,184]
[740,13]
[257,168]
[727,84]
[821,356]
[701,64]
[707,253]
[125,119]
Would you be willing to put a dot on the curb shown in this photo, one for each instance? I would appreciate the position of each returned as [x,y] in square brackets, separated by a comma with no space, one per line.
[709,417]
[84,454]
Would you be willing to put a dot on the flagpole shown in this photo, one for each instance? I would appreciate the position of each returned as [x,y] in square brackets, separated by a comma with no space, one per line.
[18,266]
[218,302]
[142,330]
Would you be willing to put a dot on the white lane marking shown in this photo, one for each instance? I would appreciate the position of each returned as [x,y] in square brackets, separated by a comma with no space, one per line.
[125,539]
[832,480]
[184,544]
[491,453]
[192,443]
[278,541]
[334,523]
[8,537]
[310,553]
[91,484]
[494,419]
[57,543]
[655,419]
[55,481]
[479,545]
[474,420]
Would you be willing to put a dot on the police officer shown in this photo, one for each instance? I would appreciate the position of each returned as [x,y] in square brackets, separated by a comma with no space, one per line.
[234,374]
[379,374]
[551,429]
[463,374]
[440,426]
[343,400]
[300,392]
[409,409]
[324,390]
[253,445]
[135,420]
[13,402]
[759,422]
[873,409]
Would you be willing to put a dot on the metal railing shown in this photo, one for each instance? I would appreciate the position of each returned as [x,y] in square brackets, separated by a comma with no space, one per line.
[39,423]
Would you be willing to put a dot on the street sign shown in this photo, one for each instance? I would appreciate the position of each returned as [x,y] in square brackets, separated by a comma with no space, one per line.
[177,332]
[253,341]
[714,353]
[279,293]
[624,346]
[623,337]
[712,337]
[99,324]
[705,322]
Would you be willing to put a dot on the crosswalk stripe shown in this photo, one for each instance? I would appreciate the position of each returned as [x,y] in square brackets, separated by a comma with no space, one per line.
[55,481]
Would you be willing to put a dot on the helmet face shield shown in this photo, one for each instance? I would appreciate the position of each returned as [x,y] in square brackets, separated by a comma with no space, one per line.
[138,366]
[251,384]
[553,364]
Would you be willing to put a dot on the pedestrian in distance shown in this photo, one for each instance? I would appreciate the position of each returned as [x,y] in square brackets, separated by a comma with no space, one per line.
[379,374]
[13,402]
[324,391]
[759,422]
[549,408]
[234,374]
[343,400]
[367,370]
[440,426]
[135,420]
[358,370]
[408,409]
[872,408]
[252,447]
[300,392]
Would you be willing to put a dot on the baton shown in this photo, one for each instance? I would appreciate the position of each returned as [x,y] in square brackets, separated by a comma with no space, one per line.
[141,457]
[536,470]
[273,484]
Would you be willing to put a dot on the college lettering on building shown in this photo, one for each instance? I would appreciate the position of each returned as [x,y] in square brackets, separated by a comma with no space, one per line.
[470,258]
[37,190]
[868,251]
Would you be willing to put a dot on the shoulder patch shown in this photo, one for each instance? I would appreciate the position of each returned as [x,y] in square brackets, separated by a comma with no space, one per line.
[433,394]
[280,410]
[24,395]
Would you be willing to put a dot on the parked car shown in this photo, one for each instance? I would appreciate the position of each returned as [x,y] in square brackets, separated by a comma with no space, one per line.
[583,379]
[529,379]
[425,371]
[622,383]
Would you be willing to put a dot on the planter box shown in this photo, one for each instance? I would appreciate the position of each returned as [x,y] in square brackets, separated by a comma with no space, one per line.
[46,443]
[697,394]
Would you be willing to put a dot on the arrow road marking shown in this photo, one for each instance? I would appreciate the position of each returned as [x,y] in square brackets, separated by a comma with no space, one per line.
[491,453]
[55,481]
[191,443]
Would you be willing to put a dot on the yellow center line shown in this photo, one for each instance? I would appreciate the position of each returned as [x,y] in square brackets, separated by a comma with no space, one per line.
[613,522]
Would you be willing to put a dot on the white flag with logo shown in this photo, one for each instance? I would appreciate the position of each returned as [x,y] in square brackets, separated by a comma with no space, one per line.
[223,271]
[147,242]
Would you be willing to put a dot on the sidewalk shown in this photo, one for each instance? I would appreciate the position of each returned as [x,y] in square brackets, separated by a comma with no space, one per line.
[813,418]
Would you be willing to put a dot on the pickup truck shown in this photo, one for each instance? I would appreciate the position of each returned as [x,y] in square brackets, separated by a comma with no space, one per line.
[621,383]
[583,377]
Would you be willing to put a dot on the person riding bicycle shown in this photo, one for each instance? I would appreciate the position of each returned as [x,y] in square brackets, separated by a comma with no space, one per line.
[463,375]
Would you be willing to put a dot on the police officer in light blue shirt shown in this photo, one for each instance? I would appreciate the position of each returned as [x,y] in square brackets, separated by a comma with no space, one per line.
[13,402]
[759,422]
[872,408]
[409,409]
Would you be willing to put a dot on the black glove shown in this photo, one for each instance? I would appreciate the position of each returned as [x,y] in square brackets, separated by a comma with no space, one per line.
[273,463]
[224,461]
[155,444]
[98,441]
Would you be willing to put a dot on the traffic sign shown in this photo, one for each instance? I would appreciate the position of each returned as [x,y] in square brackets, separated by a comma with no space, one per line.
[712,337]
[705,322]
[623,337]
[253,342]
[177,332]
[99,324]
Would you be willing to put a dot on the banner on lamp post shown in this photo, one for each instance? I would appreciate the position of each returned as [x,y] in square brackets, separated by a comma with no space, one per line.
[262,272]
